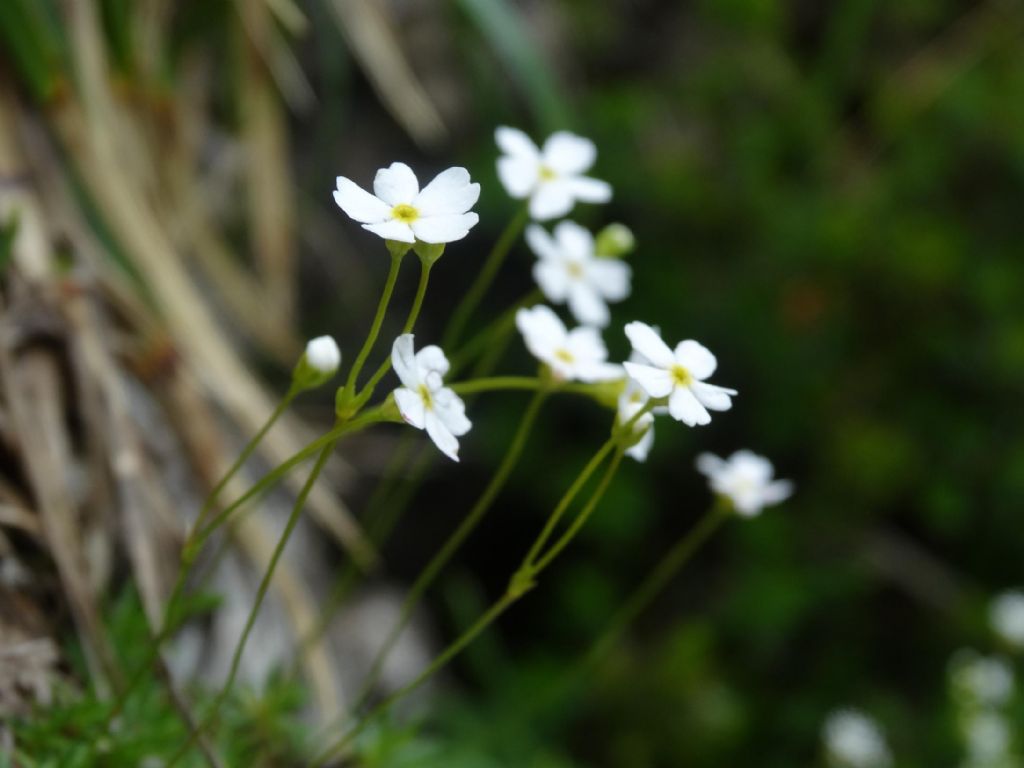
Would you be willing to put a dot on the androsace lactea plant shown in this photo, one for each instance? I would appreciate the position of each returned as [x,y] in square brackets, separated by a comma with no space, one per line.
[573,268]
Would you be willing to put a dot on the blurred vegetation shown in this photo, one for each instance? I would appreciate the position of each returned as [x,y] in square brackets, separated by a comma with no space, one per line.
[828,195]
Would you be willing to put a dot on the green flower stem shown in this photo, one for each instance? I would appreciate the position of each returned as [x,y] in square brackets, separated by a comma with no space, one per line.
[471,299]
[273,477]
[378,320]
[494,383]
[497,329]
[527,569]
[440,661]
[261,594]
[211,499]
[410,322]
[669,565]
[640,600]
[582,517]
[565,501]
[443,555]
[381,522]
[517,588]
[167,626]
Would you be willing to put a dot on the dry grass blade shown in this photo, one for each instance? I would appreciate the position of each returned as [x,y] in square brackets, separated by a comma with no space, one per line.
[199,340]
[318,667]
[374,45]
[32,385]
[269,198]
[194,228]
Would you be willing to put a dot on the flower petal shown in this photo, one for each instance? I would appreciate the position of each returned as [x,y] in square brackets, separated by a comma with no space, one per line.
[444,229]
[710,465]
[392,230]
[568,153]
[711,396]
[585,343]
[403,360]
[442,437]
[358,203]
[410,405]
[611,278]
[396,184]
[542,331]
[518,175]
[752,466]
[514,142]
[696,358]
[552,279]
[587,306]
[684,407]
[778,491]
[574,240]
[642,447]
[589,190]
[656,382]
[449,192]
[431,359]
[648,343]
[592,371]
[551,200]
[452,411]
[542,244]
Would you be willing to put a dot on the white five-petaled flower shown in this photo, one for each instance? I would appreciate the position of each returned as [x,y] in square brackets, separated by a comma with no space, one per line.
[1006,614]
[423,400]
[323,355]
[745,479]
[632,401]
[854,740]
[551,177]
[989,738]
[984,680]
[399,210]
[578,354]
[568,271]
[678,375]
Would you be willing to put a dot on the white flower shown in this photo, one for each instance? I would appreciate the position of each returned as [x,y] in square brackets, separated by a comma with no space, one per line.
[323,355]
[577,354]
[400,210]
[568,271]
[745,479]
[853,740]
[423,400]
[677,375]
[984,680]
[551,177]
[987,736]
[631,401]
[1006,614]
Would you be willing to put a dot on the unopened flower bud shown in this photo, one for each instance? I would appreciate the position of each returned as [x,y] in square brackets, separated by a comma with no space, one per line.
[318,363]
[614,242]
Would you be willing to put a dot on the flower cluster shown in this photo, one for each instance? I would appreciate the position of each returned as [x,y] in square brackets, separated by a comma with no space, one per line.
[583,272]
[854,740]
[575,269]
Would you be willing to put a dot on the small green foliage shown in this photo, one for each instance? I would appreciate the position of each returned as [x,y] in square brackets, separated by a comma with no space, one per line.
[253,727]
[8,231]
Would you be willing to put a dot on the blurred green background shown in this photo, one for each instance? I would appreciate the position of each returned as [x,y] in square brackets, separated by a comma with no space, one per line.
[830,196]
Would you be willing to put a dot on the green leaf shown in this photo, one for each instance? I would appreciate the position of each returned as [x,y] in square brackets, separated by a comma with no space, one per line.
[501,25]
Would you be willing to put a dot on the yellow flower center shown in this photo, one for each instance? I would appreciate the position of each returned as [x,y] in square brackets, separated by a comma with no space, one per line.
[575,270]
[680,376]
[547,174]
[405,213]
[564,355]
[428,401]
